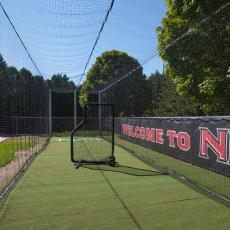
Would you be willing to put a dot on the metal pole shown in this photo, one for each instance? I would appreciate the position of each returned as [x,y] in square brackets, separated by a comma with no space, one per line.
[99,101]
[50,111]
[75,107]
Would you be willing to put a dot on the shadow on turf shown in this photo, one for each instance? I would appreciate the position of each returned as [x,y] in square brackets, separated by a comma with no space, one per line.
[124,169]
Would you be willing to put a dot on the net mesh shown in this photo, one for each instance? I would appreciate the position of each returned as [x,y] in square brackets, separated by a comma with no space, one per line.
[24,129]
[93,141]
[195,82]
[187,43]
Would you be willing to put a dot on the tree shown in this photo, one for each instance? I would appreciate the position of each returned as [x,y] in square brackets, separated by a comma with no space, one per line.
[171,103]
[164,100]
[21,94]
[24,95]
[108,68]
[154,93]
[59,81]
[3,64]
[62,103]
[194,41]
[5,92]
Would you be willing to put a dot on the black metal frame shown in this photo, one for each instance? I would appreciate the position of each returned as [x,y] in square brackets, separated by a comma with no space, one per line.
[111,159]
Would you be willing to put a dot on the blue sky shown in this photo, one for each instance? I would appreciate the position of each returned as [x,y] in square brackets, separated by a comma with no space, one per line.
[59,34]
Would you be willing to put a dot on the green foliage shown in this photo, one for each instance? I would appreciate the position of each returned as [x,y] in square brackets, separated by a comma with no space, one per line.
[154,93]
[3,64]
[196,50]
[59,81]
[62,104]
[111,65]
[17,84]
[164,100]
[172,103]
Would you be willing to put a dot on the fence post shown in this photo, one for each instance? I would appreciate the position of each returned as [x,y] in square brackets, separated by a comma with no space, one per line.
[50,111]
[75,107]
[99,111]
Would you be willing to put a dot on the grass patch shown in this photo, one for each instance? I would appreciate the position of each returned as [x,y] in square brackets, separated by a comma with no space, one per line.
[8,149]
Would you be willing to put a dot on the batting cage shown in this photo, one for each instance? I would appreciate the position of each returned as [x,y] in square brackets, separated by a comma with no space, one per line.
[123,104]
[92,141]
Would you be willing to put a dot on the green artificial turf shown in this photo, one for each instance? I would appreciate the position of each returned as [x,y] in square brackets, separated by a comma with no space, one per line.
[207,179]
[8,149]
[54,195]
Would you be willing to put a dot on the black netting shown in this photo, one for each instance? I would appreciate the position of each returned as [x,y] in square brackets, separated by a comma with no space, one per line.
[147,58]
[93,140]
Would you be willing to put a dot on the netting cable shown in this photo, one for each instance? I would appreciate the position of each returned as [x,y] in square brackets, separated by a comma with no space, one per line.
[19,37]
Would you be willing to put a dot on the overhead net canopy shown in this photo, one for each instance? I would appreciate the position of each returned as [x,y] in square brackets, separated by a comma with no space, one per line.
[60,35]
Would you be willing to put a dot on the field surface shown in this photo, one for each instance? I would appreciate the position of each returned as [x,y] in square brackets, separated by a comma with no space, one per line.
[8,149]
[54,195]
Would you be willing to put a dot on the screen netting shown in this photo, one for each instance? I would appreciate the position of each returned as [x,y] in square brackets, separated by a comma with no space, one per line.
[24,123]
[64,109]
[193,86]
[93,140]
[148,58]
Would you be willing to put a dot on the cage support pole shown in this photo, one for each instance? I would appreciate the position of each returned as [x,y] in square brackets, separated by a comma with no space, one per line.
[75,107]
[50,111]
[99,111]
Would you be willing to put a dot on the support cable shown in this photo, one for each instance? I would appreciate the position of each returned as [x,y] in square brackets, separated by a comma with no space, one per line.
[19,37]
[97,39]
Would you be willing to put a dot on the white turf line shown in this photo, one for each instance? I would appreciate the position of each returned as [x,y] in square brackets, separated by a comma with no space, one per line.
[78,139]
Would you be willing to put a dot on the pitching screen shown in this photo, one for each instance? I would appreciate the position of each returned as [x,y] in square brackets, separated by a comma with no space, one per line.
[92,140]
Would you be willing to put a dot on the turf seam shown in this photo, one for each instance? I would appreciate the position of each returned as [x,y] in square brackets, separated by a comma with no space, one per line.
[121,201]
[118,196]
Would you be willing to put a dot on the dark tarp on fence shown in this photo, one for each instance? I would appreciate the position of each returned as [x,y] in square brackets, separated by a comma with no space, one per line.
[204,142]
